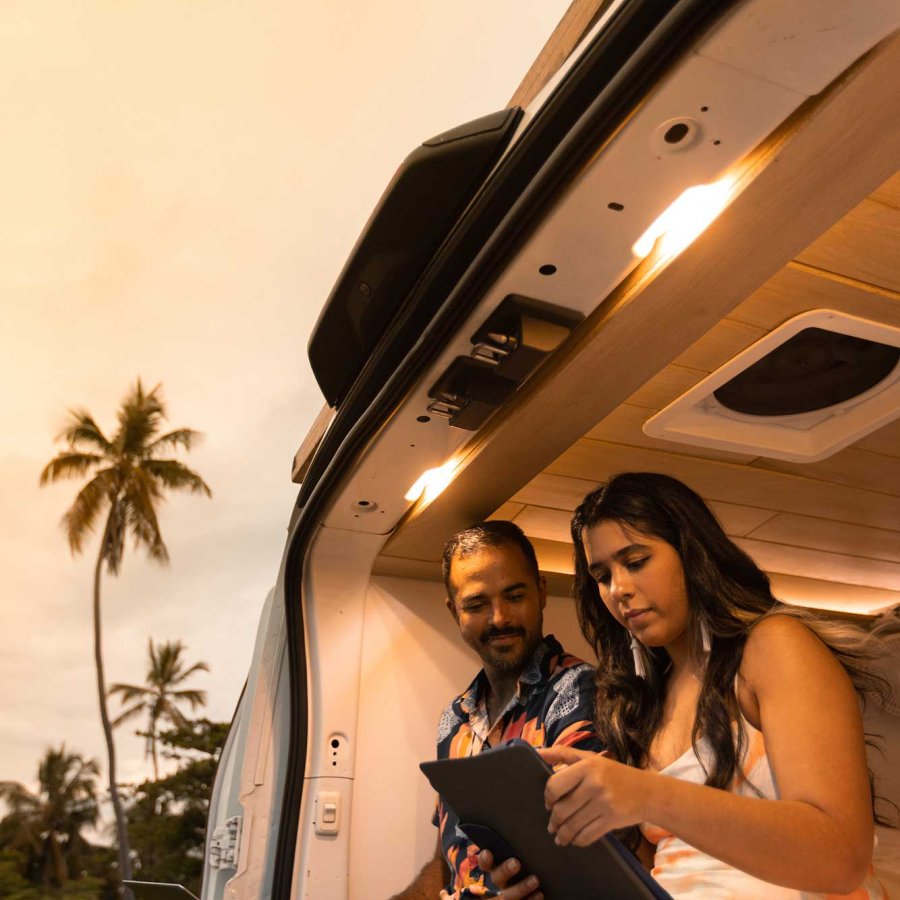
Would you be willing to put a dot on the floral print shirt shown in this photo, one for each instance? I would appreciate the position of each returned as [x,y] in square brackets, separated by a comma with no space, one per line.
[553,705]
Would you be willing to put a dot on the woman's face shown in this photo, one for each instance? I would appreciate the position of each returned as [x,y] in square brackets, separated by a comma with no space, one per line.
[641,582]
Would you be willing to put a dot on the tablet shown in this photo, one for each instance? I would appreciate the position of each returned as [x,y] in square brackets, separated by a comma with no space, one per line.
[151,890]
[498,796]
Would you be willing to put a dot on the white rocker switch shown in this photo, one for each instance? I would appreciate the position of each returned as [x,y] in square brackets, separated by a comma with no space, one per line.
[328,812]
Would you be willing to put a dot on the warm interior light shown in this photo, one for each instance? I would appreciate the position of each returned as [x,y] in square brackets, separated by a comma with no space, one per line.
[686,218]
[432,481]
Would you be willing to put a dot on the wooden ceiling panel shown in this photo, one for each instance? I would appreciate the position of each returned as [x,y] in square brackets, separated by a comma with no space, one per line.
[546,524]
[508,511]
[826,566]
[665,386]
[853,467]
[719,345]
[745,485]
[798,288]
[889,192]
[822,534]
[862,245]
[886,440]
[831,594]
[555,491]
[625,425]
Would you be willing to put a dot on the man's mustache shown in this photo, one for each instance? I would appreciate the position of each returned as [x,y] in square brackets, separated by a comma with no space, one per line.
[492,632]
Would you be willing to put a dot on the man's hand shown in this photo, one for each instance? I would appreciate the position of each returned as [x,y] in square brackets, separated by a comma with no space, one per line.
[526,889]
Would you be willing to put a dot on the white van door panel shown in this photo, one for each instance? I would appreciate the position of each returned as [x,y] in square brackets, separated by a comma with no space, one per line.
[251,772]
[335,581]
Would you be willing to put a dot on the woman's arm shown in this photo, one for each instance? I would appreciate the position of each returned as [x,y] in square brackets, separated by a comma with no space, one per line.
[817,837]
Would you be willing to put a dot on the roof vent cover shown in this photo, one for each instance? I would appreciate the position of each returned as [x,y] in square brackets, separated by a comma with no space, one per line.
[806,390]
[812,370]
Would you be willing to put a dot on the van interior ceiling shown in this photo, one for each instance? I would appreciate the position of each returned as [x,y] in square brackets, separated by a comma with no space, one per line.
[544,388]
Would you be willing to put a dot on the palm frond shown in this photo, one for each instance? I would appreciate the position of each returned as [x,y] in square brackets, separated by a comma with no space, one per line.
[82,431]
[195,698]
[135,710]
[128,692]
[139,418]
[175,475]
[140,512]
[183,676]
[180,437]
[81,516]
[69,464]
[114,548]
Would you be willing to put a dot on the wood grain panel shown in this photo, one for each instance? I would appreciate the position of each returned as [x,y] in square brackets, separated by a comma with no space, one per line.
[830,594]
[885,440]
[851,466]
[797,289]
[889,192]
[553,524]
[508,511]
[624,425]
[718,345]
[786,560]
[744,485]
[838,537]
[863,245]
[738,520]
[545,523]
[555,491]
[665,386]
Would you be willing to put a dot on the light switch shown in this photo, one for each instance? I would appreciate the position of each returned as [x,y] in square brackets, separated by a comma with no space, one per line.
[328,812]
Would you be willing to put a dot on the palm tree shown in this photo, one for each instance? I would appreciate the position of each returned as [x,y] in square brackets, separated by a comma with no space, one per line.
[46,826]
[128,477]
[158,698]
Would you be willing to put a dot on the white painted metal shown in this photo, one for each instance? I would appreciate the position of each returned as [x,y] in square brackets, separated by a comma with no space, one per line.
[335,579]
[251,772]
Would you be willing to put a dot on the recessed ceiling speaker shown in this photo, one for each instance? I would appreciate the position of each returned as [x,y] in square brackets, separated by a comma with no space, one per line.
[809,388]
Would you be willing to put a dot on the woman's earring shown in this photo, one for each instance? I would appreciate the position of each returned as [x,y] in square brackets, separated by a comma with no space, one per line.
[705,642]
[640,667]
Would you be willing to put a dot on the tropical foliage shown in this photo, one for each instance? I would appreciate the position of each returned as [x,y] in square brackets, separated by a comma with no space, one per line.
[43,849]
[167,817]
[128,475]
[161,695]
[44,854]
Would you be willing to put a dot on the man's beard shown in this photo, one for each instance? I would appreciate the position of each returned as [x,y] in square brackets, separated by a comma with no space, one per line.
[508,661]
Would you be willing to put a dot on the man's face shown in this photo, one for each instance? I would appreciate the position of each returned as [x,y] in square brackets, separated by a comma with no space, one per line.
[498,606]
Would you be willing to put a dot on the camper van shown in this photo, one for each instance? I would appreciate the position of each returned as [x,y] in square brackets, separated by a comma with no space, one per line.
[676,250]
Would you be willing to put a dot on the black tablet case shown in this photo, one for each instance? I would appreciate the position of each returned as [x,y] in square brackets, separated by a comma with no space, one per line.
[503,790]
[147,890]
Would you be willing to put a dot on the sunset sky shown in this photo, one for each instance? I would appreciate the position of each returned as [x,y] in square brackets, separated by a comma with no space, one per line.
[181,182]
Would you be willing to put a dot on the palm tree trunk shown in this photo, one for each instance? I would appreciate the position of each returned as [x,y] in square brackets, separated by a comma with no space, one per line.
[153,751]
[121,829]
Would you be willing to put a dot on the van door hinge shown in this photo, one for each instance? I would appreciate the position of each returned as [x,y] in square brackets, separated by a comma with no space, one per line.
[225,844]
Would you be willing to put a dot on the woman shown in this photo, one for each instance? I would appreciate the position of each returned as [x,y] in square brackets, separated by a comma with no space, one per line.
[733,724]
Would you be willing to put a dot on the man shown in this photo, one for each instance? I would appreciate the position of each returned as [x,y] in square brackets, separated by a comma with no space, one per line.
[529,687]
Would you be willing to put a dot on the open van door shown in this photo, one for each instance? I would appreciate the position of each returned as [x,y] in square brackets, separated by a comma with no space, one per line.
[498,346]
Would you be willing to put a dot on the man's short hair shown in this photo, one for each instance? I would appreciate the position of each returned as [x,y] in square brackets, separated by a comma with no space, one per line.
[494,533]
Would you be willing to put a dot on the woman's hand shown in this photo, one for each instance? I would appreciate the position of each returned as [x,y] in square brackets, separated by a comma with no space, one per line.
[501,875]
[591,795]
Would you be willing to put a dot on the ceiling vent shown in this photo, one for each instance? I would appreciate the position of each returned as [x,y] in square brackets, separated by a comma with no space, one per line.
[819,382]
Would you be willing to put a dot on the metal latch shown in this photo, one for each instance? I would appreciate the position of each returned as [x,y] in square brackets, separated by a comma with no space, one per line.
[225,844]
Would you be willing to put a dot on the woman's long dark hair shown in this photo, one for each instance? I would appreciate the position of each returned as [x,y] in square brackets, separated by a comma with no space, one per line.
[727,593]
